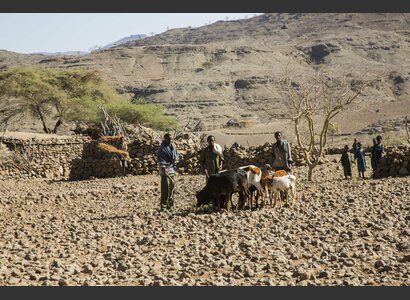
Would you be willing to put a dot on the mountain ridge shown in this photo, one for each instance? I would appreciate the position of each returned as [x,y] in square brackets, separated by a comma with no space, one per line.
[231,69]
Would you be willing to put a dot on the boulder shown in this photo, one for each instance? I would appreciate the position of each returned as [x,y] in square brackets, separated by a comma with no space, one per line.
[403,171]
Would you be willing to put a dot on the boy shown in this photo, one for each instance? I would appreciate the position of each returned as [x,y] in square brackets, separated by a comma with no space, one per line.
[360,155]
[345,159]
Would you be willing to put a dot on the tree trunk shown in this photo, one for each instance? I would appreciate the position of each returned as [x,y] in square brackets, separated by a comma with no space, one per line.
[43,120]
[59,122]
[2,136]
[310,172]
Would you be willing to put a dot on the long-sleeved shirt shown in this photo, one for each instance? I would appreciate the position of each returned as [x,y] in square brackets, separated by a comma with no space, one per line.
[167,156]
[210,160]
[281,155]
[360,155]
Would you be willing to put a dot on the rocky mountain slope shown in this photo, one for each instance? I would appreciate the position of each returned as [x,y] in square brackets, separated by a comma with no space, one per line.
[124,40]
[232,69]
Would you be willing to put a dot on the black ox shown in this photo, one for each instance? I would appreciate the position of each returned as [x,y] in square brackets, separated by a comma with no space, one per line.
[224,184]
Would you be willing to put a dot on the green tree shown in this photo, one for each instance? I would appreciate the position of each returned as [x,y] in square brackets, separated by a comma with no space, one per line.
[70,95]
[45,93]
[25,91]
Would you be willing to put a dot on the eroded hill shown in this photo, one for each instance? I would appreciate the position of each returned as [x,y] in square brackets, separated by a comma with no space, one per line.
[232,69]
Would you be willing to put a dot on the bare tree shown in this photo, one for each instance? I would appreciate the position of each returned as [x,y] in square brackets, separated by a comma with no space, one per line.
[314,101]
[333,129]
[407,129]
[112,125]
[22,157]
[3,128]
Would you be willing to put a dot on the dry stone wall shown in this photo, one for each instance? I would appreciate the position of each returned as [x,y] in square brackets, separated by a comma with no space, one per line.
[143,158]
[80,158]
[396,162]
[46,158]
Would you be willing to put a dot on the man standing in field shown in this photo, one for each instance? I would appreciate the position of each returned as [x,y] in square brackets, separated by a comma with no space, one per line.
[282,157]
[377,151]
[167,157]
[211,158]
[346,162]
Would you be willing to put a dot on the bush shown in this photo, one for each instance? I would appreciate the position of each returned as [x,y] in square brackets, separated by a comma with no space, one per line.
[207,64]
[149,115]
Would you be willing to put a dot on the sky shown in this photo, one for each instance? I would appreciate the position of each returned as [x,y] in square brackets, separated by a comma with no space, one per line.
[54,32]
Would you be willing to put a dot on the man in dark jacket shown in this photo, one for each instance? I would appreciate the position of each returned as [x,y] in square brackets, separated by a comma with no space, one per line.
[167,157]
[282,157]
[377,151]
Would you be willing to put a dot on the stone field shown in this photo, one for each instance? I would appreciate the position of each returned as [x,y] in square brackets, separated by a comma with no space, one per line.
[109,232]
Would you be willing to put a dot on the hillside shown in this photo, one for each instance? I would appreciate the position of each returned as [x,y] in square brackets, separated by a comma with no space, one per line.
[124,41]
[231,69]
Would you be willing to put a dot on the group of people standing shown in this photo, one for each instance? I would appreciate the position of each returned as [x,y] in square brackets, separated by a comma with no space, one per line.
[211,161]
[360,156]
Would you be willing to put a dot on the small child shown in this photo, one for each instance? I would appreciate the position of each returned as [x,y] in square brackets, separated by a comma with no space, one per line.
[345,159]
[360,155]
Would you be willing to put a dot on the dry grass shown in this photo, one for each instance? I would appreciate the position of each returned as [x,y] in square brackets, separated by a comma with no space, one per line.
[112,138]
[112,150]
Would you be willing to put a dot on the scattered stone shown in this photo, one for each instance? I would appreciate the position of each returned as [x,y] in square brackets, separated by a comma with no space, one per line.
[88,269]
[379,263]
[323,274]
[349,263]
[403,246]
[14,280]
[406,258]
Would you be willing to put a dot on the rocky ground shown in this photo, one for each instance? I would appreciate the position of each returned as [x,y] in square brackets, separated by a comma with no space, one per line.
[109,232]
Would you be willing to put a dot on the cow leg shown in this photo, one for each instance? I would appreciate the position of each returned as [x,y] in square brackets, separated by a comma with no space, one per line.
[243,199]
[271,198]
[240,201]
[232,206]
[287,199]
[258,195]
[263,200]
[293,196]
[250,200]
[221,201]
[216,203]
[280,199]
[227,201]
[275,196]
[248,195]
